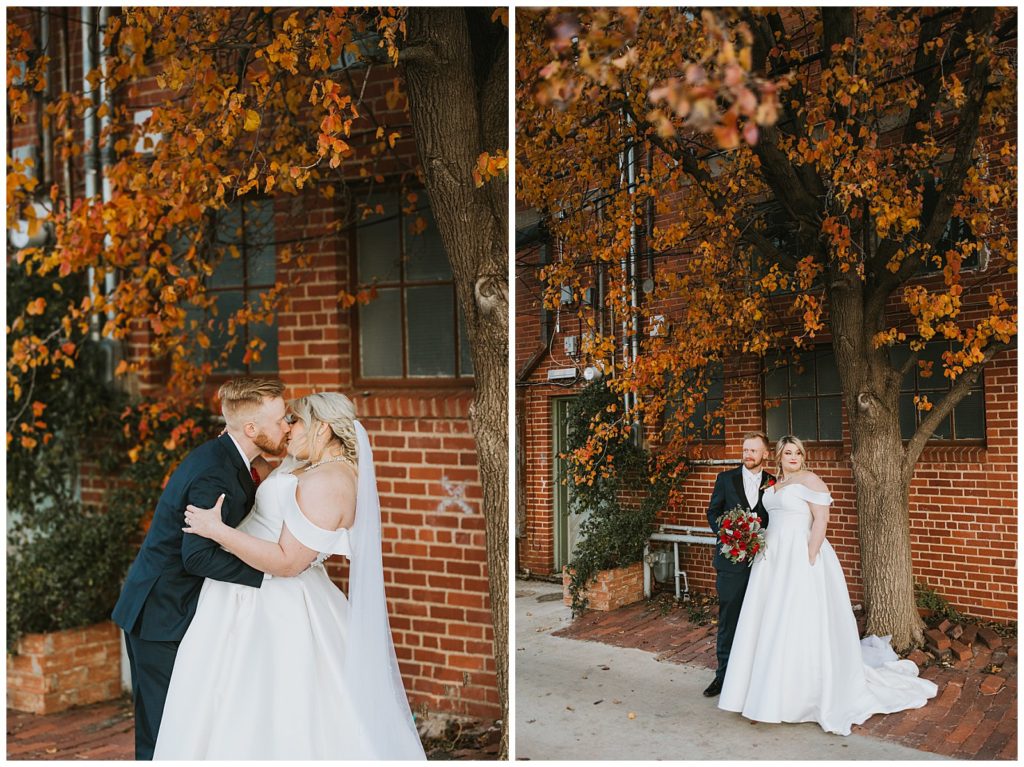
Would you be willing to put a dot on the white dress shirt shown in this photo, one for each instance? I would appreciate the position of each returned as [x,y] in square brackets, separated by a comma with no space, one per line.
[752,485]
[248,463]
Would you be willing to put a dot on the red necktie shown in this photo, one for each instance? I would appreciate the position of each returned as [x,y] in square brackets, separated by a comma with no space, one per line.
[255,475]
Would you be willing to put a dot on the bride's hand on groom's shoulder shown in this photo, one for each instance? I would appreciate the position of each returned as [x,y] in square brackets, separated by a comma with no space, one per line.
[204,522]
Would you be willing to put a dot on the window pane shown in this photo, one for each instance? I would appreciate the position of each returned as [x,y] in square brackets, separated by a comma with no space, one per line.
[898,356]
[828,374]
[936,381]
[377,242]
[942,431]
[716,385]
[268,356]
[830,419]
[380,336]
[425,255]
[228,245]
[805,419]
[777,421]
[259,241]
[908,416]
[716,425]
[969,416]
[801,376]
[466,357]
[228,303]
[268,333]
[776,382]
[431,325]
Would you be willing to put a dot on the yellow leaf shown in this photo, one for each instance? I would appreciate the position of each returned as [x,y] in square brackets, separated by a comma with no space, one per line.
[252,119]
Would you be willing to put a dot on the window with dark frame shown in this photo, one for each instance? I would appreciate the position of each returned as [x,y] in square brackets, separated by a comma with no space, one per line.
[243,244]
[413,329]
[707,423]
[804,397]
[966,423]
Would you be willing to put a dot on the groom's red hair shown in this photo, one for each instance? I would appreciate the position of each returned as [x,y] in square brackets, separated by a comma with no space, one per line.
[240,395]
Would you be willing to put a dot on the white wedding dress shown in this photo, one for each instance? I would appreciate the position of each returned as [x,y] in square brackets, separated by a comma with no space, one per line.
[796,655]
[266,673]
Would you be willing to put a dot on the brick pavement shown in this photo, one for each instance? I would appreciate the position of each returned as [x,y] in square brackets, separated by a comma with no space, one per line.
[963,722]
[106,731]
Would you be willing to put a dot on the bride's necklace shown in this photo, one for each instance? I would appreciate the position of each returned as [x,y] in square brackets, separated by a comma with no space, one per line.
[336,459]
[788,480]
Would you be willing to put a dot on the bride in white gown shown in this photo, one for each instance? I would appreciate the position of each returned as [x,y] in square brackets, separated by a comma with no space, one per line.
[796,655]
[294,669]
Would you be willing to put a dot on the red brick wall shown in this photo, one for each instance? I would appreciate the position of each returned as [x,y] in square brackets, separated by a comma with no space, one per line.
[433,528]
[963,500]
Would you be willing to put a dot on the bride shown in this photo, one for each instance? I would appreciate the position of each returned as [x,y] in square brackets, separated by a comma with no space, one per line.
[796,655]
[294,670]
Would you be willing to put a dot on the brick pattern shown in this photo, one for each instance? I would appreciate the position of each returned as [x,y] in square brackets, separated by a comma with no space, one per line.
[55,671]
[610,589]
[433,528]
[963,499]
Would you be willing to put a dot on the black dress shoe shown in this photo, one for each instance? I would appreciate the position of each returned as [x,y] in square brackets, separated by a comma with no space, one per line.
[713,689]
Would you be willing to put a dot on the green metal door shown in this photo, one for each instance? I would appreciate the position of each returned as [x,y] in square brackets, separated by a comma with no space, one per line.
[566,524]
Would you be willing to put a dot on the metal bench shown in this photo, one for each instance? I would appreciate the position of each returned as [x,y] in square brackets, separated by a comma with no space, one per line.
[675,534]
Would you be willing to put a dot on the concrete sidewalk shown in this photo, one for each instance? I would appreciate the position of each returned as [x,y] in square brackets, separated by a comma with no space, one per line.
[586,701]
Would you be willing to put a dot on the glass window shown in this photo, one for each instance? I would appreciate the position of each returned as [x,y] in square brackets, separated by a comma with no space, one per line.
[707,423]
[965,423]
[804,397]
[242,246]
[414,328]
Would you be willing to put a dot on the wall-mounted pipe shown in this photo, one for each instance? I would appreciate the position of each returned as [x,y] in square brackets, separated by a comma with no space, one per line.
[90,156]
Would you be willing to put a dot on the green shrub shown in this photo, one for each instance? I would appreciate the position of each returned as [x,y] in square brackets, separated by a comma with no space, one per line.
[622,498]
[65,561]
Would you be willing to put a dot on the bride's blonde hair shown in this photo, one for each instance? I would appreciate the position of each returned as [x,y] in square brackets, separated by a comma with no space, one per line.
[334,409]
[789,439]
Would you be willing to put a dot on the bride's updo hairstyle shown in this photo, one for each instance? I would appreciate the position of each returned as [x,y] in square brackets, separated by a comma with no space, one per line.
[789,439]
[334,409]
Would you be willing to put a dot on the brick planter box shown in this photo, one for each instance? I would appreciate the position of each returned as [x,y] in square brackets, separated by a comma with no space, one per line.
[53,672]
[611,589]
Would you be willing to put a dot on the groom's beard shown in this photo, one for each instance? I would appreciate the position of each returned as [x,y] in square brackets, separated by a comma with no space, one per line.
[264,443]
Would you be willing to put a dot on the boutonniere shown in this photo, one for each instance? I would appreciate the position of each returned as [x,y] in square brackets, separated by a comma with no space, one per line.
[770,482]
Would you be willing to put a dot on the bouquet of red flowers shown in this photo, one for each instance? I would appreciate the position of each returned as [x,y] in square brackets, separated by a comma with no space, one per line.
[741,536]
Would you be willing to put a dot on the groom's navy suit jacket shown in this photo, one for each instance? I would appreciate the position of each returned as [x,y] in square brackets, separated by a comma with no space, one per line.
[162,588]
[727,495]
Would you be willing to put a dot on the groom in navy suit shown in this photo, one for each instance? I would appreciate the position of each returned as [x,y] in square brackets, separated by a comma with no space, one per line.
[162,588]
[743,486]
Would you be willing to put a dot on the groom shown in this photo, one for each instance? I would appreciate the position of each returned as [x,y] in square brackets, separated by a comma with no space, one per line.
[161,591]
[743,486]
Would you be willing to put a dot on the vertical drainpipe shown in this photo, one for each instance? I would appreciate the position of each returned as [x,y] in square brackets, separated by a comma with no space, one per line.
[46,46]
[649,229]
[65,86]
[633,298]
[624,267]
[107,146]
[90,154]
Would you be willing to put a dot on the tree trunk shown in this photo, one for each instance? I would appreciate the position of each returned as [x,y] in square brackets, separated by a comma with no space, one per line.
[883,530]
[871,396]
[457,113]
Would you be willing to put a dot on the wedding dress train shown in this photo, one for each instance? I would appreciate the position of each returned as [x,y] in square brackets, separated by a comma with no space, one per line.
[796,655]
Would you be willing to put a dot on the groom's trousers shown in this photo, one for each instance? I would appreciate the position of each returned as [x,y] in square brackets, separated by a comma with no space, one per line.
[731,586]
[151,664]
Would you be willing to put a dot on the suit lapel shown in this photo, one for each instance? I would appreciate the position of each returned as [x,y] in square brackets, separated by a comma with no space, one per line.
[244,477]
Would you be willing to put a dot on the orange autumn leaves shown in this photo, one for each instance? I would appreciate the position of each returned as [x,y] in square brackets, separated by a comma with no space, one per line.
[252,101]
[780,162]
